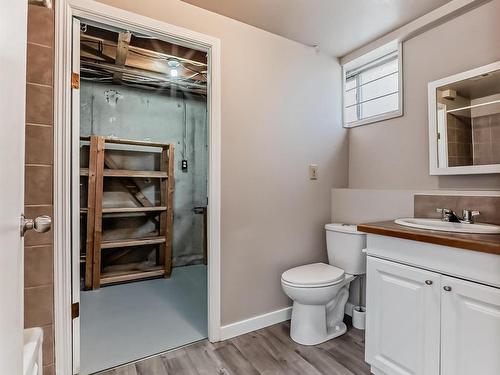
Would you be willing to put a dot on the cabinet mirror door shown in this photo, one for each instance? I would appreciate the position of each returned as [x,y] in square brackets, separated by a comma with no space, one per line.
[464,122]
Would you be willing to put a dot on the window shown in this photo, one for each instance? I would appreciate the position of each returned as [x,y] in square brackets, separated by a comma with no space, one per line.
[373,86]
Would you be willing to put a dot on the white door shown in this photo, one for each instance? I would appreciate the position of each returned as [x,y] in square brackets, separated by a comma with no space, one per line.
[403,311]
[13,28]
[470,328]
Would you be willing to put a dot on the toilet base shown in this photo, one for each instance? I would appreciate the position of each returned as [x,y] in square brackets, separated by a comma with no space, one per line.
[309,326]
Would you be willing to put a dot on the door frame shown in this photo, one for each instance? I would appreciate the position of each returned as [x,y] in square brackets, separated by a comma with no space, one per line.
[92,10]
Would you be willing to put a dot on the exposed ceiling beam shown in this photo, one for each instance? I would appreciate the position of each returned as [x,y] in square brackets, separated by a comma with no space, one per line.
[158,79]
[151,44]
[93,49]
[122,48]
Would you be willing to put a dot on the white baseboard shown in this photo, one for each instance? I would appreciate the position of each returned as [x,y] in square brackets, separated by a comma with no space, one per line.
[255,323]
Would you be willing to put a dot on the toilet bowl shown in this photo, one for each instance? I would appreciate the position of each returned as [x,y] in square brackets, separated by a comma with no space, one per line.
[320,291]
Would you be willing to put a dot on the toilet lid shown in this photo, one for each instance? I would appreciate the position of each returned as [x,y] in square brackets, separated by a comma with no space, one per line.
[313,274]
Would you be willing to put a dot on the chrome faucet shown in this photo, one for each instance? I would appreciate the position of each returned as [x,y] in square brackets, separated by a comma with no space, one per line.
[450,215]
[468,216]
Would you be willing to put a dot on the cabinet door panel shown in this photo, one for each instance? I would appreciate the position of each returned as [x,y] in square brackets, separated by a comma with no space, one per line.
[403,312]
[470,328]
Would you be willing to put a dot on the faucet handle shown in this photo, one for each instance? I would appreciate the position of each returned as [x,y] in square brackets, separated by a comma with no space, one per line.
[469,215]
[444,212]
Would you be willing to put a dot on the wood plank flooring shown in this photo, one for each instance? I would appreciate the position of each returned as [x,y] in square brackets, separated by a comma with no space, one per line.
[268,351]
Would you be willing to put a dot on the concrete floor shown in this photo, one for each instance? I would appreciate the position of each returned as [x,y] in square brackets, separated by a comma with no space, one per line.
[126,322]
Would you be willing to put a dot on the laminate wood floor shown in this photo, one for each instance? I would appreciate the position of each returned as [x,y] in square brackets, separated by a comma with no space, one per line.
[268,351]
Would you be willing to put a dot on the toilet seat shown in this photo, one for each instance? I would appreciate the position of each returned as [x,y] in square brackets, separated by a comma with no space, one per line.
[315,275]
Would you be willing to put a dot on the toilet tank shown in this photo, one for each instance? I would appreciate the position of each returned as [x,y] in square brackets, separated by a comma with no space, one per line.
[345,244]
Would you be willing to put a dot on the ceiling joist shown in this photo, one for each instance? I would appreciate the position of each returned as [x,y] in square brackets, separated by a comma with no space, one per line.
[122,48]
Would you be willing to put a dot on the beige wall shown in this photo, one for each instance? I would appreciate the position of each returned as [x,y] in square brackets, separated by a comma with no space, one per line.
[280,112]
[394,154]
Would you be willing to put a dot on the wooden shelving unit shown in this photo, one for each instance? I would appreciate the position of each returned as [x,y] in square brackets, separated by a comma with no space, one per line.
[101,167]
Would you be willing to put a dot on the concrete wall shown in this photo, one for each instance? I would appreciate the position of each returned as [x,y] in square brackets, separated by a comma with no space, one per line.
[280,111]
[140,114]
[394,154]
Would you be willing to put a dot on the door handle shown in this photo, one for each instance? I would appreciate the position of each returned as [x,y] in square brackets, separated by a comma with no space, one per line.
[40,224]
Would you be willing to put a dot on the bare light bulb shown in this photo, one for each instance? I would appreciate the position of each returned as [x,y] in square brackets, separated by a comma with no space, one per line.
[174,73]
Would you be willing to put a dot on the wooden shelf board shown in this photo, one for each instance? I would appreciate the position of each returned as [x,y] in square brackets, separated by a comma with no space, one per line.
[132,242]
[132,173]
[127,173]
[129,142]
[123,276]
[119,210]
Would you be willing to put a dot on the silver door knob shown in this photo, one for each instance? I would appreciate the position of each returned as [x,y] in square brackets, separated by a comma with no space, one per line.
[447,288]
[40,224]
[428,282]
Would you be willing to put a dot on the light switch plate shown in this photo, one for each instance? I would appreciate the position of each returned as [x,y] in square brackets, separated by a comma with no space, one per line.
[313,171]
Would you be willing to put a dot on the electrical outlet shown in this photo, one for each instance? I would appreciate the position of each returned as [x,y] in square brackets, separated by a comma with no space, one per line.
[313,171]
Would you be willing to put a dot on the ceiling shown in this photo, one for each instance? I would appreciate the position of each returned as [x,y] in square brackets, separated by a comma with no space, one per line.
[336,26]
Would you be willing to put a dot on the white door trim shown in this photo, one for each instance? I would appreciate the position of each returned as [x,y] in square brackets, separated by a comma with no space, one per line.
[88,9]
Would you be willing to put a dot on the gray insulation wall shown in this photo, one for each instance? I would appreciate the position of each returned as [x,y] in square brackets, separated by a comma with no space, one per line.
[141,114]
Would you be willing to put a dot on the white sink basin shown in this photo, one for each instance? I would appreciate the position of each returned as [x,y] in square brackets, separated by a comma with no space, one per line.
[444,226]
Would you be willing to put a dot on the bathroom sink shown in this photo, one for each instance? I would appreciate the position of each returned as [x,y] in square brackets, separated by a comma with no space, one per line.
[445,226]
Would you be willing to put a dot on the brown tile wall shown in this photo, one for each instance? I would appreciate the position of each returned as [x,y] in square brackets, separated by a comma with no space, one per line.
[459,131]
[486,136]
[425,206]
[38,259]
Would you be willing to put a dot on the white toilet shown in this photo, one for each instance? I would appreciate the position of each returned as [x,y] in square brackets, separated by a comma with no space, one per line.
[320,291]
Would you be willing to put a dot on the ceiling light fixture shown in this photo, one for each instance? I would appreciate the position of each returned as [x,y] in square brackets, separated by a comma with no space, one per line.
[173,64]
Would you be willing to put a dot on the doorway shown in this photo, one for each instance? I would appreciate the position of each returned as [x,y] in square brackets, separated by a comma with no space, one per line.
[205,214]
[142,157]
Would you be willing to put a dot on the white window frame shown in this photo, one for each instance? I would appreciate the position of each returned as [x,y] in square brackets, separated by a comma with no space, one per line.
[394,46]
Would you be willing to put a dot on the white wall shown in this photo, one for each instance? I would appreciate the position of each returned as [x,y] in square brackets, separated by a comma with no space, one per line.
[280,111]
[394,154]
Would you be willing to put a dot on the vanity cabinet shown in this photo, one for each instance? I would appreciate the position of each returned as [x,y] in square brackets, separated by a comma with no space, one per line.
[425,323]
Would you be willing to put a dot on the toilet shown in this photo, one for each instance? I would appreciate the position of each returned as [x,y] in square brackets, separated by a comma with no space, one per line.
[320,291]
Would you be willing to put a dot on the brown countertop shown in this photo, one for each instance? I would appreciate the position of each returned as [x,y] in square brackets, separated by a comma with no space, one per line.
[486,243]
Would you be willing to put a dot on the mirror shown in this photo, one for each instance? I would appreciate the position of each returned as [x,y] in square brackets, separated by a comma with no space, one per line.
[464,122]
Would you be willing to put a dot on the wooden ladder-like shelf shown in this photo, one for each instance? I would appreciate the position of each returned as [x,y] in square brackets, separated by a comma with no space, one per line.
[96,172]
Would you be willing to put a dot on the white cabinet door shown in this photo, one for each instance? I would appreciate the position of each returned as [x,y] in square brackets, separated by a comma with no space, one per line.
[403,313]
[470,328]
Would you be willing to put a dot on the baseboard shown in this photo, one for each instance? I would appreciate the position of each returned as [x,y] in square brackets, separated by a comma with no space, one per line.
[255,323]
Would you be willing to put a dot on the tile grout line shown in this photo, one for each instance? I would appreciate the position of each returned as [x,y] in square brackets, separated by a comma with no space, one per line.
[40,45]
[40,85]
[38,165]
[32,246]
[40,125]
[39,286]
